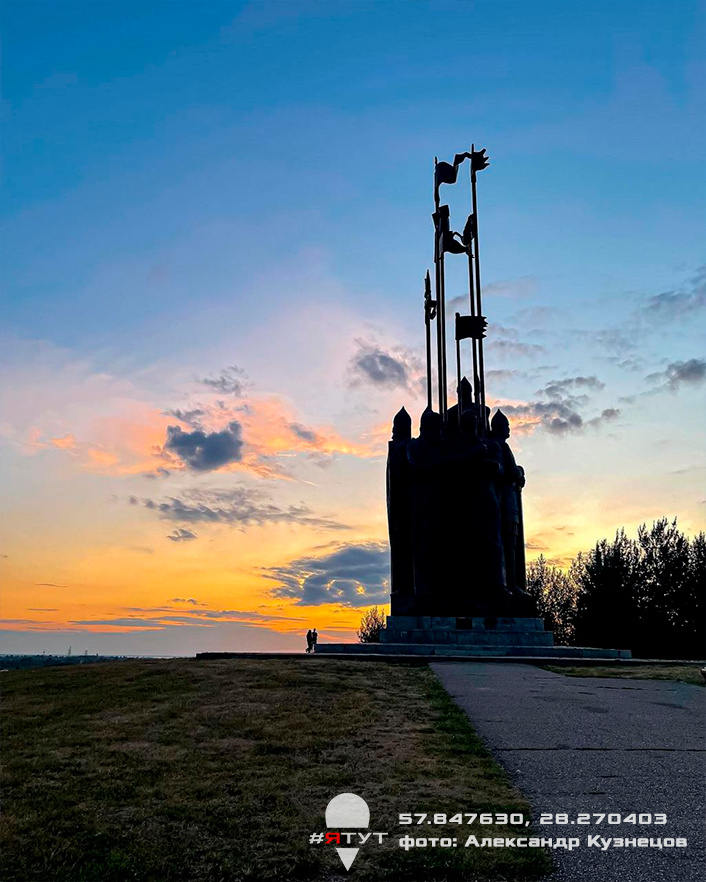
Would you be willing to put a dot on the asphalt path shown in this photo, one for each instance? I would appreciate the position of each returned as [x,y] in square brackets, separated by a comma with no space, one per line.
[585,744]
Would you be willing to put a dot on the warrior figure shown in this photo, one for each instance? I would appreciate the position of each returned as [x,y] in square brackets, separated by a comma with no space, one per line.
[399,512]
[513,480]
[429,498]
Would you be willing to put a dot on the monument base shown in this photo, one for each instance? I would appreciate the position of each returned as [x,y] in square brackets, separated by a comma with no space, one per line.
[471,636]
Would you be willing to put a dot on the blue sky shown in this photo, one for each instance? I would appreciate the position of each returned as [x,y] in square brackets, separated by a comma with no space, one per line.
[189,186]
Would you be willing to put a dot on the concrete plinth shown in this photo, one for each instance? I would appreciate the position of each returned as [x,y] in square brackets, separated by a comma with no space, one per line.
[472,636]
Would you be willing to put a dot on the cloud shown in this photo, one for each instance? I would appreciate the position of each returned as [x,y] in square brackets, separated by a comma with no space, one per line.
[680,302]
[304,434]
[614,340]
[237,507]
[558,388]
[231,381]
[353,575]
[511,349]
[501,375]
[190,600]
[559,411]
[513,289]
[396,368]
[203,451]
[162,618]
[182,535]
[188,417]
[610,413]
[678,374]
[50,585]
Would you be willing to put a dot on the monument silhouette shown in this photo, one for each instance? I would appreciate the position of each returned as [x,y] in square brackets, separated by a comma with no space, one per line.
[454,492]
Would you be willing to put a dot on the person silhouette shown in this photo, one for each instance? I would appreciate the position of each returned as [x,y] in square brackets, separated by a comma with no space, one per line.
[309,640]
[314,638]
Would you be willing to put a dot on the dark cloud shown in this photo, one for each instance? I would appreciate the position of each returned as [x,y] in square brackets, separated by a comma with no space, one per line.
[679,373]
[555,417]
[389,369]
[50,585]
[305,434]
[203,451]
[379,367]
[679,302]
[190,600]
[353,575]
[231,381]
[189,417]
[559,410]
[610,413]
[236,507]
[182,535]
[558,388]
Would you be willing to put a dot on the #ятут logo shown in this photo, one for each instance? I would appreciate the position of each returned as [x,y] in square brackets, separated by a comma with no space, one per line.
[347,810]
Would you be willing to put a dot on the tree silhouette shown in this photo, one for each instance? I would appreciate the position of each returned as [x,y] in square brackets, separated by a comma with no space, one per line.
[371,624]
[645,594]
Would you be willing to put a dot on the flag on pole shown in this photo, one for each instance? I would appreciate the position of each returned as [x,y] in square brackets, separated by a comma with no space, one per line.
[429,304]
[447,242]
[473,326]
[479,160]
[445,173]
[469,231]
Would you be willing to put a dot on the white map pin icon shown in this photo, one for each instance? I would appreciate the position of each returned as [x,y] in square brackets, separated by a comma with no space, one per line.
[347,810]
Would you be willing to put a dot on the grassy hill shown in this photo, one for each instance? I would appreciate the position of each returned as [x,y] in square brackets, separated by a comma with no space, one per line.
[220,771]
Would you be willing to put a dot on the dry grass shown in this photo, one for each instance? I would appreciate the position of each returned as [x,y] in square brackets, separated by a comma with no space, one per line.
[219,771]
[682,673]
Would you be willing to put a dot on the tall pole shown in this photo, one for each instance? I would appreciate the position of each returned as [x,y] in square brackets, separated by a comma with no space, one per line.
[443,328]
[458,370]
[476,390]
[479,307]
[440,305]
[427,327]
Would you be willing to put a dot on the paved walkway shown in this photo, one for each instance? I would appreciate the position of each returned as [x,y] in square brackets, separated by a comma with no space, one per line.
[583,744]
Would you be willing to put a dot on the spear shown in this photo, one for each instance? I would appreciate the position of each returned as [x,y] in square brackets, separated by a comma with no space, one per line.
[440,300]
[478,162]
[458,370]
[467,238]
[429,313]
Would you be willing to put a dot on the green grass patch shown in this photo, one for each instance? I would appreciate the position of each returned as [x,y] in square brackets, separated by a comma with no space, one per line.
[218,771]
[681,673]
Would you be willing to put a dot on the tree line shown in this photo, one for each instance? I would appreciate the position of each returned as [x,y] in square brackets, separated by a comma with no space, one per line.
[644,594]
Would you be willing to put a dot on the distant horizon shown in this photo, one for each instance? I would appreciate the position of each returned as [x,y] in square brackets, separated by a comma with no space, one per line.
[217,224]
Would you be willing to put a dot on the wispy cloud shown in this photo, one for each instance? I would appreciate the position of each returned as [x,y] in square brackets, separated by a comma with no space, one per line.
[182,535]
[236,507]
[231,381]
[678,303]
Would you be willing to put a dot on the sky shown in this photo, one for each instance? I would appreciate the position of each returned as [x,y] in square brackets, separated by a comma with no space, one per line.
[215,225]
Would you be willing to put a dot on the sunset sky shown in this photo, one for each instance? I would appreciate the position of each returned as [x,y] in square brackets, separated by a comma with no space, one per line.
[216,223]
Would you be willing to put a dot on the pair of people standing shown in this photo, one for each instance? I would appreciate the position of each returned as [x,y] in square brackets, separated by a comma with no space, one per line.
[311,638]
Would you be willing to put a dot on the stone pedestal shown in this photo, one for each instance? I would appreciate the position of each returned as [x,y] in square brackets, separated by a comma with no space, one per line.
[472,636]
